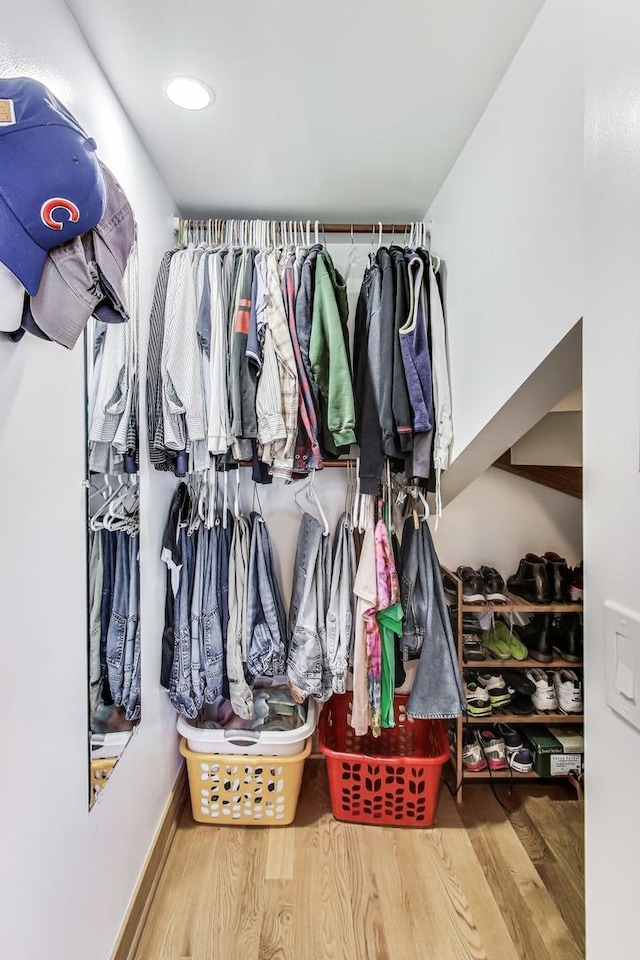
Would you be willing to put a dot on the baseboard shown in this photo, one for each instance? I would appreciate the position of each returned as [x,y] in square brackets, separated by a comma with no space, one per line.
[131,932]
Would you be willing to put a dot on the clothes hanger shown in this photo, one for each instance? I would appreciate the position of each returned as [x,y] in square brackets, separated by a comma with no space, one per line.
[102,491]
[225,498]
[120,515]
[236,499]
[256,496]
[96,522]
[308,487]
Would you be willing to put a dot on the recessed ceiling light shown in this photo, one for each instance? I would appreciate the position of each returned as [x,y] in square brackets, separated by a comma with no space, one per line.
[189,93]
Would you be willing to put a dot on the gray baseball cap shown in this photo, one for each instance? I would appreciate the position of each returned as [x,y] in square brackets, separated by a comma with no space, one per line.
[11,300]
[86,275]
[113,238]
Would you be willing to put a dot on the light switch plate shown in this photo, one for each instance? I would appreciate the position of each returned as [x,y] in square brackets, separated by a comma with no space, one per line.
[622,661]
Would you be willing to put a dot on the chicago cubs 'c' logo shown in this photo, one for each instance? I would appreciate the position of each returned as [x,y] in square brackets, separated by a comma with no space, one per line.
[58,203]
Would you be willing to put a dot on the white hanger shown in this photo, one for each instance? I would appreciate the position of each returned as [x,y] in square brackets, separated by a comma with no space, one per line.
[236,499]
[379,234]
[212,494]
[96,522]
[308,487]
[121,516]
[225,498]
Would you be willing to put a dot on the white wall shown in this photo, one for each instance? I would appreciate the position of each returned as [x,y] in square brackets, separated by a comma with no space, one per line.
[611,459]
[507,222]
[500,517]
[67,874]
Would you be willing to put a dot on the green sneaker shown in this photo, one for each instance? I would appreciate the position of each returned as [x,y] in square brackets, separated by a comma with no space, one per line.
[496,644]
[516,647]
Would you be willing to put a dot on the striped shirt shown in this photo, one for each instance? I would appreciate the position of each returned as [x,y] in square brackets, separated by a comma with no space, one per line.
[160,457]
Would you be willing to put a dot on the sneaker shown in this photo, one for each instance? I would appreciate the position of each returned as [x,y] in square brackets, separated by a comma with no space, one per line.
[544,699]
[473,758]
[568,691]
[472,585]
[521,760]
[471,624]
[494,588]
[496,688]
[494,642]
[471,648]
[494,750]
[512,739]
[478,702]
[517,649]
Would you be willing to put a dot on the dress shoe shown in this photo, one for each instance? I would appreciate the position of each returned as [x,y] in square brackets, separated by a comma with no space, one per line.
[537,637]
[530,582]
[493,584]
[559,577]
[472,585]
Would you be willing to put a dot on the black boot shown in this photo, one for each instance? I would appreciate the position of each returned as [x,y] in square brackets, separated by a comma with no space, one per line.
[531,581]
[536,636]
[567,637]
[559,577]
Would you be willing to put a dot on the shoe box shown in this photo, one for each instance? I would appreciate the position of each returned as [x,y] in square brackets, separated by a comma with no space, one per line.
[554,753]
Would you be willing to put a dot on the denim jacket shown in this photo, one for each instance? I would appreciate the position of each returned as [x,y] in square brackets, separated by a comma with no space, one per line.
[437,690]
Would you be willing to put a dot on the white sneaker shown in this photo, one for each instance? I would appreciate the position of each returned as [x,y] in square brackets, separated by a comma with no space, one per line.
[568,691]
[496,687]
[544,698]
[478,702]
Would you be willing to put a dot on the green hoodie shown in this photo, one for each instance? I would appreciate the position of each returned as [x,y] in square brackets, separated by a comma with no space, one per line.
[329,357]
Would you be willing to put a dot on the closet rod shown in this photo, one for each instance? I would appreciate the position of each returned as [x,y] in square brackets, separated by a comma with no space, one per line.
[328,464]
[326,227]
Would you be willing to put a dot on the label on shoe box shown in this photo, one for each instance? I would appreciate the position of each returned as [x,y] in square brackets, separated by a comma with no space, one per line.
[560,764]
[571,739]
[549,757]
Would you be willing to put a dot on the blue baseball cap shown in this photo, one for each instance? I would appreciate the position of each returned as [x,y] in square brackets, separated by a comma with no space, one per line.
[51,185]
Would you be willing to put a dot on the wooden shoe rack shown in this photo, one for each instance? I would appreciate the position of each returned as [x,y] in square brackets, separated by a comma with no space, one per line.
[515,604]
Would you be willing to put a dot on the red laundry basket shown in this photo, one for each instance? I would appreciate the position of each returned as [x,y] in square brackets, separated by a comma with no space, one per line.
[393,779]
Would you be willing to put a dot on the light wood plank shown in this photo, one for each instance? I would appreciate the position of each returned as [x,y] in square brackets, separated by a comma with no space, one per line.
[280,849]
[517,886]
[478,886]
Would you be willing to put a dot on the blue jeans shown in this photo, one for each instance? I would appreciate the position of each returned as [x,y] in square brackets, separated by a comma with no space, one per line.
[181,693]
[266,627]
[131,675]
[212,650]
[116,644]
[307,666]
[340,612]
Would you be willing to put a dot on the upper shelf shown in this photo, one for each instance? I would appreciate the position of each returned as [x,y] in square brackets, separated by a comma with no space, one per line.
[521,606]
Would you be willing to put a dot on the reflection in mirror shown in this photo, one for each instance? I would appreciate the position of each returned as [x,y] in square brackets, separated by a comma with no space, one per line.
[113,537]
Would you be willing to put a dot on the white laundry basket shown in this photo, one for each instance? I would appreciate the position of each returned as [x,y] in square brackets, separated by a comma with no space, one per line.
[257,743]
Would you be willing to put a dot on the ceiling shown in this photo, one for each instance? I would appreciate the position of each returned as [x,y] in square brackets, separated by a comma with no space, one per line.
[338,110]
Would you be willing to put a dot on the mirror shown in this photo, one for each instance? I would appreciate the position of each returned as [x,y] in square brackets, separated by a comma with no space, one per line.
[113,569]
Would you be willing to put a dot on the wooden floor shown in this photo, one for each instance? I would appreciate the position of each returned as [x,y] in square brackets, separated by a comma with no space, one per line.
[478,885]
